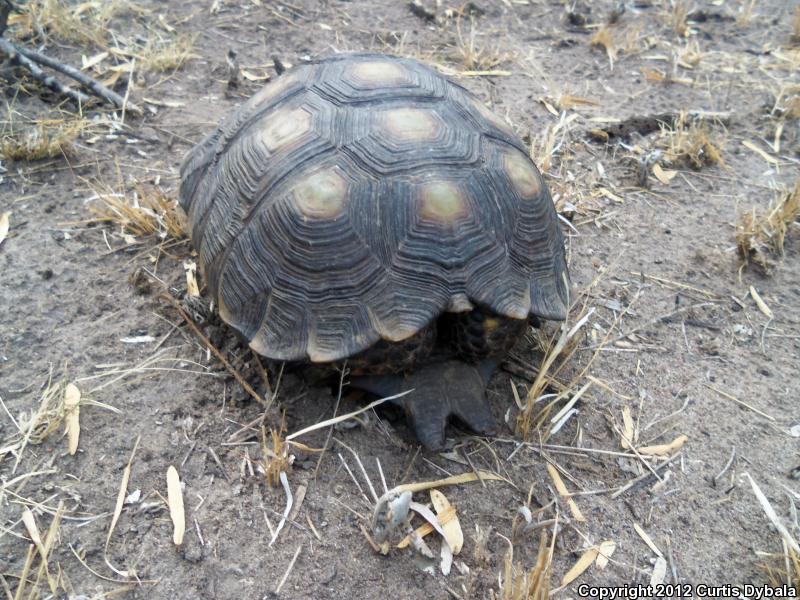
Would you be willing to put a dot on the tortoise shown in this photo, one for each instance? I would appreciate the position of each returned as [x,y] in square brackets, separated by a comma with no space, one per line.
[363,207]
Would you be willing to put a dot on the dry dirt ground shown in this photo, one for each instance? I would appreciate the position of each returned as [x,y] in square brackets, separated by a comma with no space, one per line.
[675,336]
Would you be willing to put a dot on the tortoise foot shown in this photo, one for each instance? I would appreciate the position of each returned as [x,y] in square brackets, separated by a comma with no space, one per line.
[439,391]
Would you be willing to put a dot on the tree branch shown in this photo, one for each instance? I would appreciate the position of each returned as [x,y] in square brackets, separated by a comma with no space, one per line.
[30,60]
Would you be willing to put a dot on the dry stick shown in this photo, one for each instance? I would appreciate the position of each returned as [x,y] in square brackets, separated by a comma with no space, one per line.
[17,57]
[97,88]
[727,466]
[678,311]
[289,569]
[739,402]
[216,352]
[335,411]
[636,452]
[633,482]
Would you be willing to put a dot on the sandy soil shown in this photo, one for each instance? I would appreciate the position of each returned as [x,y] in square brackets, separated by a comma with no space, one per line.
[658,265]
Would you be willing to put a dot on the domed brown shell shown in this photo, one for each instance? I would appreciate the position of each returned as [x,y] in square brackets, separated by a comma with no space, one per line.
[358,198]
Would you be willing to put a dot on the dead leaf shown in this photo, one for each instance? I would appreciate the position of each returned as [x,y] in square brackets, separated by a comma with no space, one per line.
[647,539]
[762,306]
[72,398]
[659,571]
[33,531]
[550,108]
[665,449]
[454,480]
[5,223]
[627,433]
[165,103]
[123,488]
[563,492]
[175,500]
[611,195]
[426,528]
[191,280]
[253,77]
[584,562]
[763,154]
[604,552]
[663,175]
[452,529]
[88,63]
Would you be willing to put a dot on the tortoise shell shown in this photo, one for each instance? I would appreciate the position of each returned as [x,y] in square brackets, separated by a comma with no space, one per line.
[357,199]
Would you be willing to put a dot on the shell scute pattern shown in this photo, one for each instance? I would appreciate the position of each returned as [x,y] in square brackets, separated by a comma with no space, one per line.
[360,201]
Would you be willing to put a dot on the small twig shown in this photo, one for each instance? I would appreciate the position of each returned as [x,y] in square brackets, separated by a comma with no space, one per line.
[97,88]
[727,466]
[50,82]
[289,501]
[218,463]
[361,466]
[289,569]
[247,387]
[342,375]
[659,319]
[739,402]
[641,478]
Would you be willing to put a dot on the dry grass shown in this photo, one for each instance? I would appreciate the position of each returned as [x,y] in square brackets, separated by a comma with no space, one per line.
[85,22]
[746,13]
[275,450]
[531,584]
[162,54]
[35,426]
[783,569]
[44,139]
[149,211]
[760,238]
[691,143]
[617,39]
[561,347]
[604,38]
[796,26]
[677,16]
[787,102]
[474,56]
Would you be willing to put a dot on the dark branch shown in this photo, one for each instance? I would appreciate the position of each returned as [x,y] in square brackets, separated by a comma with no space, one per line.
[97,88]
[16,57]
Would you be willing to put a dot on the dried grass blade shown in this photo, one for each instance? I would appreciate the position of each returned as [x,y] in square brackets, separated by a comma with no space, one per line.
[445,517]
[175,501]
[452,529]
[647,540]
[562,490]
[772,516]
[665,449]
[454,480]
[33,531]
[123,489]
[345,417]
[584,562]
[72,398]
[762,153]
[289,501]
[739,402]
[762,306]
[5,223]
[604,552]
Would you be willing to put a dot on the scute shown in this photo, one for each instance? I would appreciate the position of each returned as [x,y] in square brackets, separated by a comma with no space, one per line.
[321,195]
[357,199]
